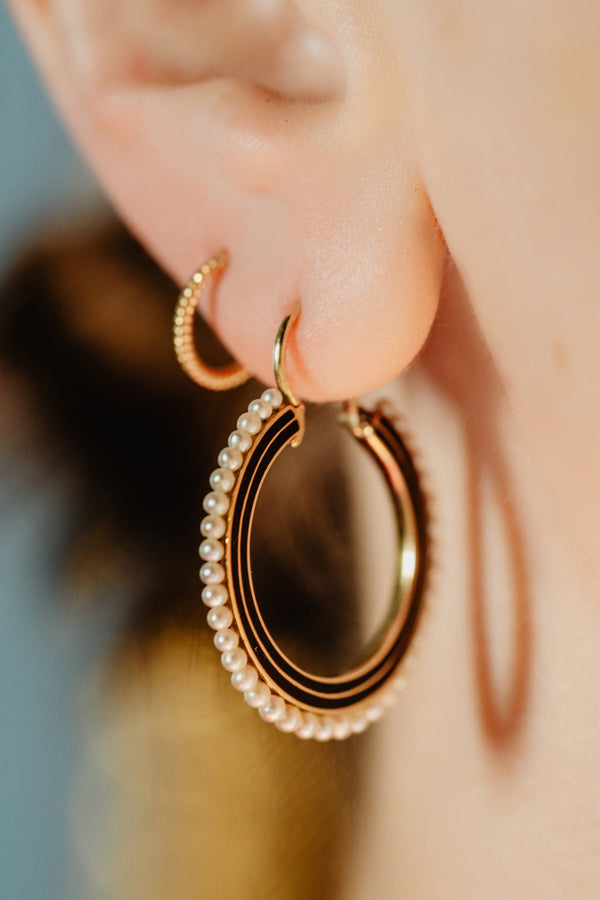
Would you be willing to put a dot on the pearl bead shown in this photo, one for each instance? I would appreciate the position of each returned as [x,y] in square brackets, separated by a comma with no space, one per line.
[213,527]
[233,660]
[324,730]
[388,699]
[230,458]
[216,502]
[273,397]
[212,573]
[307,729]
[249,422]
[291,721]
[341,729]
[273,710]
[219,617]
[260,408]
[222,480]
[359,725]
[240,440]
[225,639]
[214,595]
[373,713]
[245,679]
[399,683]
[211,550]
[258,696]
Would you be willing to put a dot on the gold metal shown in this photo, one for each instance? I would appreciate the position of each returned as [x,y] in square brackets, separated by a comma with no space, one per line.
[214,379]
[306,690]
[350,417]
[351,700]
[406,499]
[279,351]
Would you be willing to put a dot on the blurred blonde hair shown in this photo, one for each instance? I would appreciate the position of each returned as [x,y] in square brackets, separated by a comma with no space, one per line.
[182,791]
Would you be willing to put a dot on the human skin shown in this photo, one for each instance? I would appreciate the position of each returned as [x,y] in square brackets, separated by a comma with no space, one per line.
[387,162]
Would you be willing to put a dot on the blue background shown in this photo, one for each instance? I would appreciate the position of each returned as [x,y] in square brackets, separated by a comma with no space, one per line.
[45,647]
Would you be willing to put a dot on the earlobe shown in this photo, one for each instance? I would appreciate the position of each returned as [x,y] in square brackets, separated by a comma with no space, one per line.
[313,188]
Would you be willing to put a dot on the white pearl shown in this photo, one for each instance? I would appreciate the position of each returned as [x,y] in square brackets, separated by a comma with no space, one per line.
[213,527]
[222,480]
[272,396]
[225,639]
[245,679]
[230,458]
[307,729]
[249,422]
[216,502]
[219,617]
[212,573]
[211,550]
[233,660]
[260,408]
[341,729]
[239,439]
[388,699]
[273,710]
[324,730]
[359,725]
[399,683]
[214,595]
[291,721]
[258,696]
[373,713]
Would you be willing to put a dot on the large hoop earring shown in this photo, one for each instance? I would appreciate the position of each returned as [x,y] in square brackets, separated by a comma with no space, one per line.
[297,701]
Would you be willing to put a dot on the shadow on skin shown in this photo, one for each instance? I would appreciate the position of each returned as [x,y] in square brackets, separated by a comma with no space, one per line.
[463,369]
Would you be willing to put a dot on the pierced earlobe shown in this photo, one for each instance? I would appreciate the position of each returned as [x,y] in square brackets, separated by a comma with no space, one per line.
[196,117]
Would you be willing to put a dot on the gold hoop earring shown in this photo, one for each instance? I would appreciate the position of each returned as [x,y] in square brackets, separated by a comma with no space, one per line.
[229,376]
[297,701]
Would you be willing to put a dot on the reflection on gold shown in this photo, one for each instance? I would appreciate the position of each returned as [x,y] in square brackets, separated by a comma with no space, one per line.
[409,563]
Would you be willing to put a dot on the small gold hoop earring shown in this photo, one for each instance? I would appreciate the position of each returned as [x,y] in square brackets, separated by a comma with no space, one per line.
[297,701]
[214,379]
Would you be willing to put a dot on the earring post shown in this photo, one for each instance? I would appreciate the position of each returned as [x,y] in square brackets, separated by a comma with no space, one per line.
[279,353]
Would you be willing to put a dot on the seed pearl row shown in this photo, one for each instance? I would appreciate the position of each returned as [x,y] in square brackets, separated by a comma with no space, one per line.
[234,659]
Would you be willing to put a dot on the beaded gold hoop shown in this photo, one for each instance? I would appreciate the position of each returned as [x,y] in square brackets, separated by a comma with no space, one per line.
[311,706]
[214,379]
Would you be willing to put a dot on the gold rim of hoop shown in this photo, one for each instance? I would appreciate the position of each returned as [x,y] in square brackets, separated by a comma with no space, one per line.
[214,379]
[295,699]
[279,354]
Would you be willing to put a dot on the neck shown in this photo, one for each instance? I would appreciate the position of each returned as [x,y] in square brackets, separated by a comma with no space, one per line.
[471,751]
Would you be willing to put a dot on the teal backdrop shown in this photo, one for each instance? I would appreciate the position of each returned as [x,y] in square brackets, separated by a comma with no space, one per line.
[45,648]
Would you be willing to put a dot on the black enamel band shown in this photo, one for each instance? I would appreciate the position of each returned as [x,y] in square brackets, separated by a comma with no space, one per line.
[309,691]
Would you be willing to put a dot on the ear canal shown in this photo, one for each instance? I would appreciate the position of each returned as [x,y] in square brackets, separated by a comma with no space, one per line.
[267,43]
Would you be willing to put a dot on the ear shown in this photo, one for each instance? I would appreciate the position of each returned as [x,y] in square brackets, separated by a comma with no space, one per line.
[279,131]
